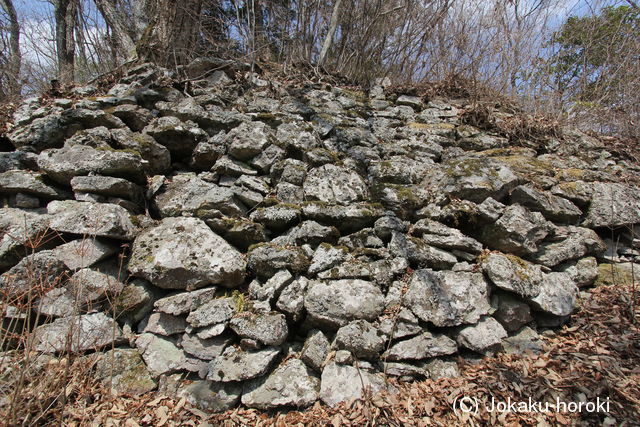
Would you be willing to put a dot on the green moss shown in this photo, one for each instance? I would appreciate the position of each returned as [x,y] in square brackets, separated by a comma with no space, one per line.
[521,267]
[119,150]
[239,299]
[615,274]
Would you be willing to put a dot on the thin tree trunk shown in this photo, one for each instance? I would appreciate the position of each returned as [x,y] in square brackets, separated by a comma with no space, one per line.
[15,58]
[65,15]
[328,40]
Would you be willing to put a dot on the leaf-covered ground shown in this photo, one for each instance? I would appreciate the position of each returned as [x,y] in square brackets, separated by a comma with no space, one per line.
[596,356]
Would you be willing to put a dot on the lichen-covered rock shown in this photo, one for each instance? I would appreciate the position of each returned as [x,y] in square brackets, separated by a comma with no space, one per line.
[40,134]
[40,269]
[476,179]
[84,253]
[554,208]
[184,302]
[268,329]
[347,219]
[557,295]
[291,299]
[290,385]
[165,324]
[511,312]
[183,253]
[423,346]
[514,274]
[179,137]
[613,205]
[336,303]
[77,333]
[204,348]
[518,231]
[212,396]
[578,242]
[248,140]
[447,298]
[485,337]
[161,354]
[278,217]
[315,350]
[325,257]
[63,164]
[123,370]
[360,338]
[188,195]
[341,383]
[91,219]
[266,259]
[108,186]
[135,301]
[19,181]
[419,253]
[334,184]
[240,365]
[213,312]
[20,228]
[441,236]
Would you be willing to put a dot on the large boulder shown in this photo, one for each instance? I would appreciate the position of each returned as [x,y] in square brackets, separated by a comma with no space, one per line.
[514,274]
[290,385]
[448,298]
[91,219]
[18,181]
[613,205]
[188,195]
[183,253]
[553,207]
[268,329]
[65,163]
[240,365]
[20,229]
[336,303]
[518,231]
[77,333]
[342,383]
[334,184]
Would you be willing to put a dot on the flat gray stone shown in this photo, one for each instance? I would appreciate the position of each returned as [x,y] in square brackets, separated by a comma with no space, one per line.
[92,219]
[291,385]
[240,365]
[77,333]
[423,346]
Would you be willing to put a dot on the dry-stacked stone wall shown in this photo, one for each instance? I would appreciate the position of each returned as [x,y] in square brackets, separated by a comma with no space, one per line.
[275,246]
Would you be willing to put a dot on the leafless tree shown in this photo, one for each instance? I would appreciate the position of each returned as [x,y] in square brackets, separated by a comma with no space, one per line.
[12,58]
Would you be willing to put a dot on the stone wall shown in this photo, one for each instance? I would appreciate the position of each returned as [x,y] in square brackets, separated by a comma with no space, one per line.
[277,245]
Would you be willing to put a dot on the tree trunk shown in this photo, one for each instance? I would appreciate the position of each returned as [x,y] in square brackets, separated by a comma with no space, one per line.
[65,17]
[328,40]
[122,27]
[15,57]
[170,37]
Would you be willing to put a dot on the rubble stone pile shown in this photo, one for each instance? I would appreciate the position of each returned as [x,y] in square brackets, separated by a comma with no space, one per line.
[249,242]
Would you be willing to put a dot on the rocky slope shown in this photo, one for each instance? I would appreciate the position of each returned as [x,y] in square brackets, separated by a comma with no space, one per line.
[279,245]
